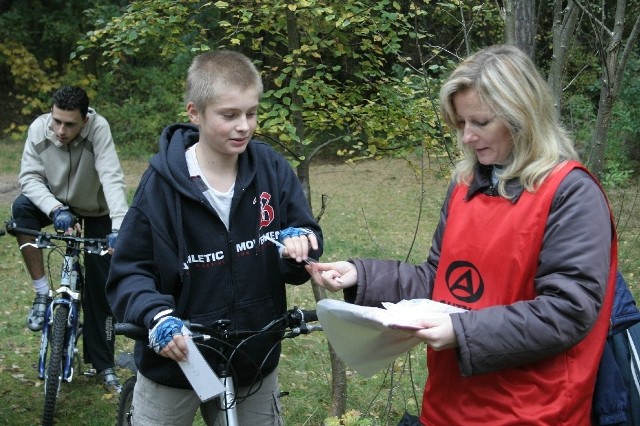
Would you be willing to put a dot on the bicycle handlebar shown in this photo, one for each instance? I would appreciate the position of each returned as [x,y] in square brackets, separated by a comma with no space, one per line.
[294,320]
[91,245]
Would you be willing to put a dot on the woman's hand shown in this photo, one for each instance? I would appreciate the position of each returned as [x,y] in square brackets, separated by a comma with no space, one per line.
[333,276]
[436,330]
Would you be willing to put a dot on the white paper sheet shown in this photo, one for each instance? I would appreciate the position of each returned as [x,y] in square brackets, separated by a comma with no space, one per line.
[202,378]
[361,335]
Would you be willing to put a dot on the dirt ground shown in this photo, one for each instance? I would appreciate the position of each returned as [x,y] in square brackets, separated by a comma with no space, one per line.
[9,188]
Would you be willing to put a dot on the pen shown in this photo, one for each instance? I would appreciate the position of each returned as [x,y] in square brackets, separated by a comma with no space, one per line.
[278,244]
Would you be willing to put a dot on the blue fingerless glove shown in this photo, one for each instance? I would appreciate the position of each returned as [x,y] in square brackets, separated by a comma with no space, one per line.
[62,218]
[112,238]
[162,333]
[293,232]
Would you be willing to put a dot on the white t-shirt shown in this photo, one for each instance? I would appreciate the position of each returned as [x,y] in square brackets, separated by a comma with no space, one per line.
[221,201]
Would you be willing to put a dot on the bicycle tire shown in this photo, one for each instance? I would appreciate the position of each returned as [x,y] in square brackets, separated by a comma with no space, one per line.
[124,404]
[53,370]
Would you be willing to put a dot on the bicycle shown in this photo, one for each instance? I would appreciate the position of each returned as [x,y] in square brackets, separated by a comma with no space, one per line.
[291,324]
[62,327]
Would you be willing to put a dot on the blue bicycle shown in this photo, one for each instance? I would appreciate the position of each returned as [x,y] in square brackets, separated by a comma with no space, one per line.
[62,323]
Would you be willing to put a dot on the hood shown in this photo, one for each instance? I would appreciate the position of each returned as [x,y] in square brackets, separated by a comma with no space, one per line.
[625,312]
[170,161]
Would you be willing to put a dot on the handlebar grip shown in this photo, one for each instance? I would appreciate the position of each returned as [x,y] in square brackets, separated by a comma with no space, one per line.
[132,331]
[137,332]
[310,316]
[13,229]
[296,316]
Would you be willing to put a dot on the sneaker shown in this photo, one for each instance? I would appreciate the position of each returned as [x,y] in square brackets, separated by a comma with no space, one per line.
[110,381]
[35,319]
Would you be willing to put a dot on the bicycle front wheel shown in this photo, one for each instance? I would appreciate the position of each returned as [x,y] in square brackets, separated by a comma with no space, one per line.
[53,370]
[124,405]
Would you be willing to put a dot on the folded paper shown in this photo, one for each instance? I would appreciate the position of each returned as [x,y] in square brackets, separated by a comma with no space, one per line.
[368,339]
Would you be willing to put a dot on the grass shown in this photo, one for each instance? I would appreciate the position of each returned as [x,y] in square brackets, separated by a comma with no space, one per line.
[372,209]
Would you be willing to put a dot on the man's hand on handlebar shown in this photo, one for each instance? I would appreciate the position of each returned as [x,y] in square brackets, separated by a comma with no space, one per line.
[64,220]
[111,239]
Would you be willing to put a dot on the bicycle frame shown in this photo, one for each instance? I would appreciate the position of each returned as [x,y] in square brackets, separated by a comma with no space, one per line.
[228,415]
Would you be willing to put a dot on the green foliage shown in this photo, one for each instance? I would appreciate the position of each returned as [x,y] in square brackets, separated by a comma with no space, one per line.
[35,41]
[31,81]
[139,103]
[580,118]
[46,29]
[580,111]
[328,67]
[614,175]
[357,101]
[144,30]
[461,27]
[624,133]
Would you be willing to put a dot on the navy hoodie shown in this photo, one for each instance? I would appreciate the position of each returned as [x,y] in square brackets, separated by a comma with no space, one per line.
[173,251]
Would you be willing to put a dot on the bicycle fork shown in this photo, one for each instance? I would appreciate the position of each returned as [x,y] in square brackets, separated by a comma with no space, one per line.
[70,334]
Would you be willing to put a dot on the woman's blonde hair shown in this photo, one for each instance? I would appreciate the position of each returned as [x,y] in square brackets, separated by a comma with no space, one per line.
[508,82]
[211,74]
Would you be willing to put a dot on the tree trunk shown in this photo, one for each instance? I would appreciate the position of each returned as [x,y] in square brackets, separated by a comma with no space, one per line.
[525,26]
[338,369]
[338,372]
[509,22]
[596,159]
[564,25]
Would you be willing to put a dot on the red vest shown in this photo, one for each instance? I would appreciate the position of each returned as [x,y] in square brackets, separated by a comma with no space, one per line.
[502,258]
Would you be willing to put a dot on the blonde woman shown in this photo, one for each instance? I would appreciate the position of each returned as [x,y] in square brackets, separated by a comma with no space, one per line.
[525,244]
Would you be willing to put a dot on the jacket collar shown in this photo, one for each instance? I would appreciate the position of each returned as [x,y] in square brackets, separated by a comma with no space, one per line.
[481,183]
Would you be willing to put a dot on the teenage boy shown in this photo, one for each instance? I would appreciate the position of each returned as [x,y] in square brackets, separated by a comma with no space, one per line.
[193,246]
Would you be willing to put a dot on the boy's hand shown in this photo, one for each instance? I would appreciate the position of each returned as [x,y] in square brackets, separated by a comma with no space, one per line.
[166,338]
[297,242]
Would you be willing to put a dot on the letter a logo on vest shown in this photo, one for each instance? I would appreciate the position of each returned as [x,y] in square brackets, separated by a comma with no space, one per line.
[267,214]
[464,281]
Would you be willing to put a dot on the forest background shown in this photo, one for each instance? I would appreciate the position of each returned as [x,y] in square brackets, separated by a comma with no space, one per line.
[345,82]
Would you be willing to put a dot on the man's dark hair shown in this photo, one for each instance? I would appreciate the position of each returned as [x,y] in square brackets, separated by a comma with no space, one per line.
[70,98]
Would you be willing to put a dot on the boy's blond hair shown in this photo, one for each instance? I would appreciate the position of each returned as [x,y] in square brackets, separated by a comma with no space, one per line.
[213,73]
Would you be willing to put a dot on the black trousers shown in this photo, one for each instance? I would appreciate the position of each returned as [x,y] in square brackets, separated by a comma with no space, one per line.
[98,324]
